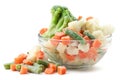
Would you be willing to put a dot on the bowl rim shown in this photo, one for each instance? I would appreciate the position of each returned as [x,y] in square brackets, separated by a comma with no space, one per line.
[39,36]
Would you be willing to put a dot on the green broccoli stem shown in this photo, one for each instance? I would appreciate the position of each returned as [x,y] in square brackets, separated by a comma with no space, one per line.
[65,18]
[55,18]
[59,24]
[57,27]
[61,16]
[65,23]
[61,20]
[54,21]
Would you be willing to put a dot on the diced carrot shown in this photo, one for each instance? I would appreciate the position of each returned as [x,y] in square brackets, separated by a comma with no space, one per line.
[96,43]
[40,54]
[81,31]
[65,40]
[56,37]
[70,57]
[60,34]
[61,70]
[43,30]
[82,55]
[51,65]
[88,18]
[23,70]
[13,67]
[92,53]
[79,17]
[18,60]
[86,38]
[49,71]
[55,40]
[22,55]
[80,34]
[28,62]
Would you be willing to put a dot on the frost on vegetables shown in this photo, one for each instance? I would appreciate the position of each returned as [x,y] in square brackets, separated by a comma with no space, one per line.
[67,40]
[61,16]
[82,37]
[34,61]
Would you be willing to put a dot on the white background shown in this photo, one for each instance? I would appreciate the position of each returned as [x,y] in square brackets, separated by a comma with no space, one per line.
[21,20]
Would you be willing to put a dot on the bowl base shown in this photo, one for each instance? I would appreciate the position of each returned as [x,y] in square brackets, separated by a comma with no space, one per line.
[77,66]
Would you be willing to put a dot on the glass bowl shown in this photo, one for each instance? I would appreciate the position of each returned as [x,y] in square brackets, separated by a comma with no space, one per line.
[56,51]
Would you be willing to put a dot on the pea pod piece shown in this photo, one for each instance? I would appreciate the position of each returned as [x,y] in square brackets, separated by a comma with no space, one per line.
[7,66]
[34,69]
[89,35]
[40,66]
[75,36]
[18,67]
[42,62]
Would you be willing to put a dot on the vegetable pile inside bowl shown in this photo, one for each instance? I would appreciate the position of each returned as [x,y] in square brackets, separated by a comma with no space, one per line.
[74,42]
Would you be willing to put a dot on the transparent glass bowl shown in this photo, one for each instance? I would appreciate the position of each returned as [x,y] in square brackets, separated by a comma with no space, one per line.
[58,54]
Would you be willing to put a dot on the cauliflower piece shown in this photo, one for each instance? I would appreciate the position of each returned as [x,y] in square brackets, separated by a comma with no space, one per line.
[76,25]
[107,29]
[81,22]
[32,53]
[61,48]
[98,34]
[74,44]
[50,47]
[63,57]
[92,25]
[72,50]
[85,61]
[84,47]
